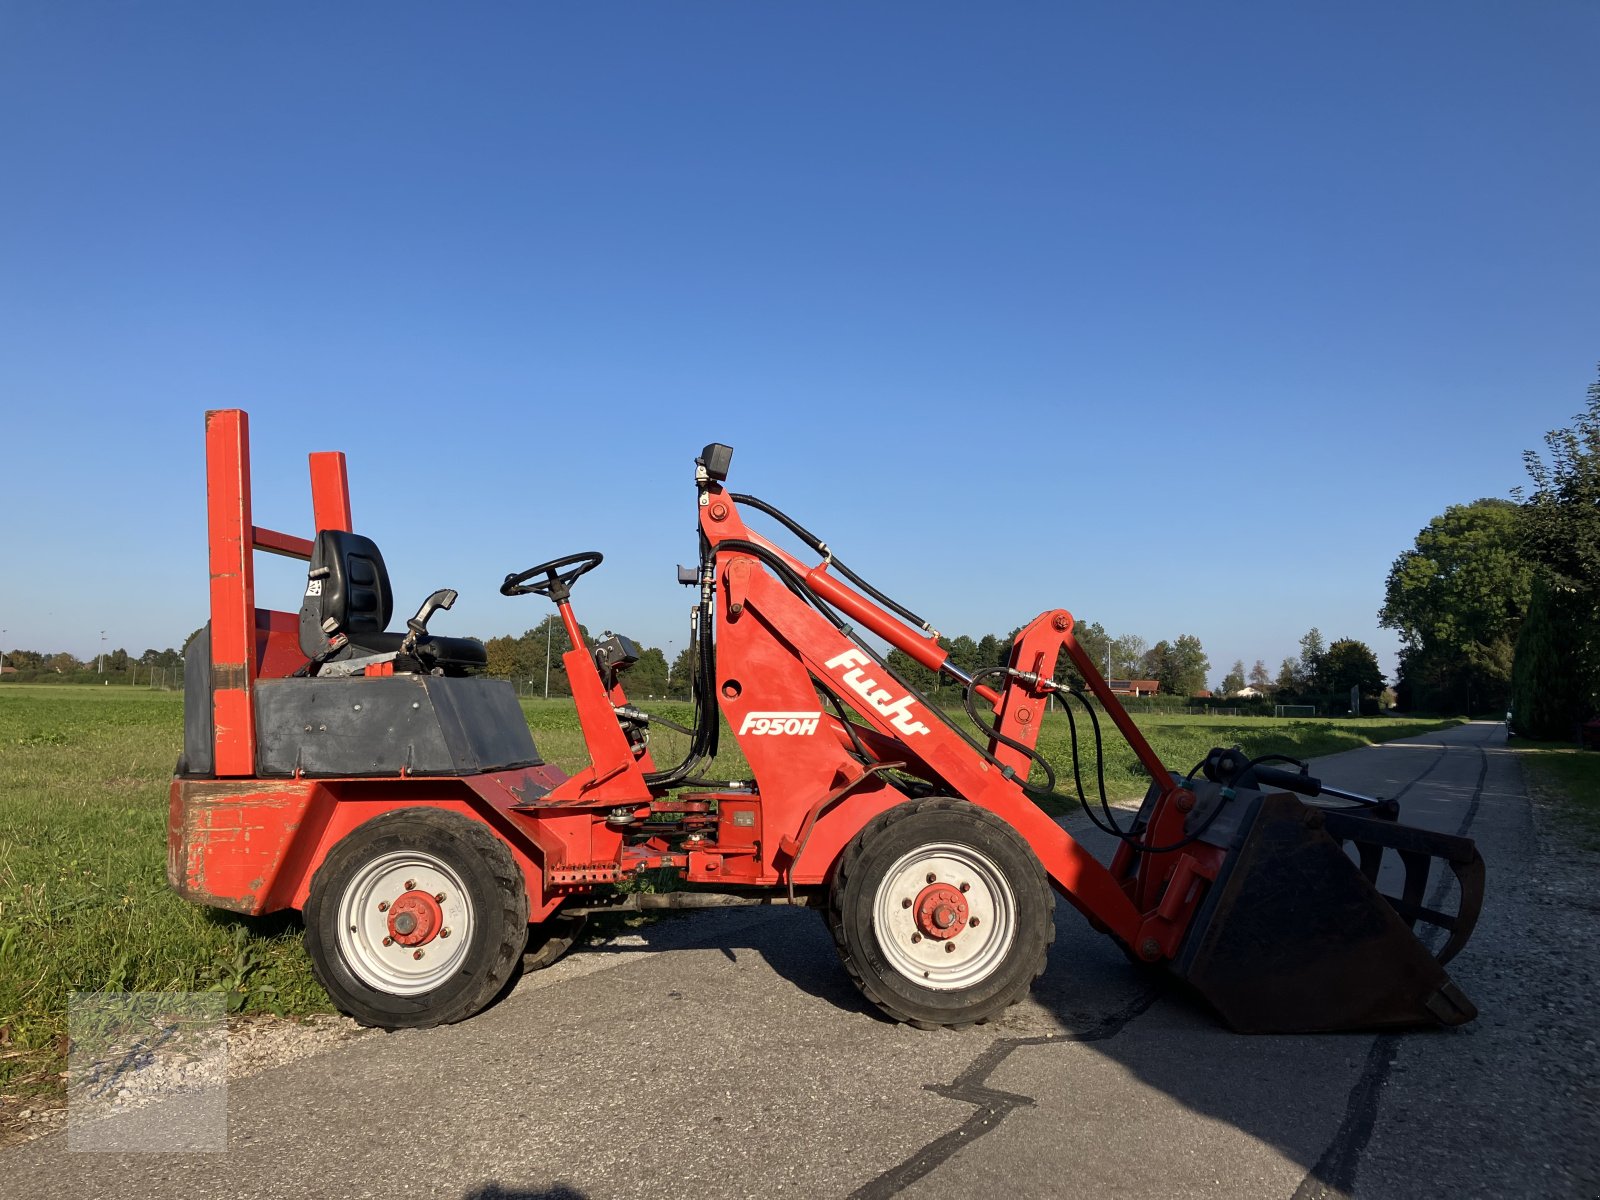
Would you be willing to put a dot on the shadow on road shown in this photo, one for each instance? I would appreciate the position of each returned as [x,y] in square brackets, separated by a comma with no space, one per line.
[1099,1045]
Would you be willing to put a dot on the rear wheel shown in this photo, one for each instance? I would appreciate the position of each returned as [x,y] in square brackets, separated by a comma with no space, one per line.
[941,913]
[416,918]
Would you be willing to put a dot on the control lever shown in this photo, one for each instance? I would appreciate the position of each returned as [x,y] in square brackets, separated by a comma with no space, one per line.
[417,626]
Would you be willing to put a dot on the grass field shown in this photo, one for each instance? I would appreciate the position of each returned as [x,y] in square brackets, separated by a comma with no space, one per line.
[1572,779]
[84,904]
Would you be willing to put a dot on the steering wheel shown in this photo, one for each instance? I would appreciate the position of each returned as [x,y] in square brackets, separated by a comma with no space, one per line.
[558,573]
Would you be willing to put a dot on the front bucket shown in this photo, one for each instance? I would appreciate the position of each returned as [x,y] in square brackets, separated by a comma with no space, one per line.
[1294,937]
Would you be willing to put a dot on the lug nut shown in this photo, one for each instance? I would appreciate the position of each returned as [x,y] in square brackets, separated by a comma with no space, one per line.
[906,903]
[932,878]
[416,954]
[973,922]
[383,906]
[388,941]
[916,937]
[949,947]
[966,887]
[411,884]
[440,897]
[445,932]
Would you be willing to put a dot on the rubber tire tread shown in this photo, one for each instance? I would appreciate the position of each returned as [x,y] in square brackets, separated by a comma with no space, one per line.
[929,820]
[500,909]
[550,939]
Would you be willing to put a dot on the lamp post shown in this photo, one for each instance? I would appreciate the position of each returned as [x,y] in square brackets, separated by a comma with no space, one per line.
[669,669]
[549,632]
[100,662]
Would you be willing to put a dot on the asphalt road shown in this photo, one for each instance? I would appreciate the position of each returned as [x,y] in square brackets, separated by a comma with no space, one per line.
[726,1054]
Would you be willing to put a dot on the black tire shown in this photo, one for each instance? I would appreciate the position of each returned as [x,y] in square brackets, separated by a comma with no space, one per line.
[914,978]
[552,938]
[485,911]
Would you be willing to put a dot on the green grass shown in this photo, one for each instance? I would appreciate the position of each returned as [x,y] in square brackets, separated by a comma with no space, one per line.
[1571,780]
[84,905]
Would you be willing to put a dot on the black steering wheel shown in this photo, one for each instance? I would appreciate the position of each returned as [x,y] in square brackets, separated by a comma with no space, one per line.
[558,573]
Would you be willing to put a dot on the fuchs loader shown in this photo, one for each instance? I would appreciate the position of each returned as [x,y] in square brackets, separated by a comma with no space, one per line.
[379,782]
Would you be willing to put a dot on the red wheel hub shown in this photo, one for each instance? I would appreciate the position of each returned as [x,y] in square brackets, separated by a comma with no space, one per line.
[414,919]
[941,911]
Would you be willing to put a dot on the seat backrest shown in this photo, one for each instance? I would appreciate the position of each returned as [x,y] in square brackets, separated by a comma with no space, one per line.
[348,582]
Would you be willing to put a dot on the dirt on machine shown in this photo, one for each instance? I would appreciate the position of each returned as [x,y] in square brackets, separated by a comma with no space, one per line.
[381,784]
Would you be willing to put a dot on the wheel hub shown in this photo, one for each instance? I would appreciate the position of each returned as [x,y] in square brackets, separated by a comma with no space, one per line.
[941,911]
[415,919]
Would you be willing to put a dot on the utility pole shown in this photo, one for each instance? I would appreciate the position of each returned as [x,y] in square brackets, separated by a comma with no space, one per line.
[100,662]
[549,632]
[2,651]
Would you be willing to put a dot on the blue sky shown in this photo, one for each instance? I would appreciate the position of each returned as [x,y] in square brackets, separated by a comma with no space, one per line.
[1183,317]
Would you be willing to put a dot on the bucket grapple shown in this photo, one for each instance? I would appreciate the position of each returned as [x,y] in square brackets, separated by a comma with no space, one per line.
[1295,935]
[380,783]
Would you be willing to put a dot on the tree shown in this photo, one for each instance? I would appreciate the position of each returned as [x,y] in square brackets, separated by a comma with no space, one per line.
[648,676]
[992,652]
[524,658]
[1351,664]
[1127,655]
[1233,681]
[964,654]
[1180,667]
[1096,644]
[1559,524]
[1556,679]
[1259,679]
[1310,666]
[1288,682]
[1549,692]
[1457,599]
[682,676]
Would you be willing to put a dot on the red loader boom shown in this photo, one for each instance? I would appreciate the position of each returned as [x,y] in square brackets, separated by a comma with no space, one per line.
[380,784]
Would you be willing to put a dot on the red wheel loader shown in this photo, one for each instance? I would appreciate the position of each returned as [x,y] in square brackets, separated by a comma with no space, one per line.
[378,782]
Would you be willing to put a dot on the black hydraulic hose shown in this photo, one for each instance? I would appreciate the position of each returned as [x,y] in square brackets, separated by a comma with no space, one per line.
[849,725]
[994,730]
[631,713]
[1109,825]
[704,738]
[799,586]
[821,547]
[1116,830]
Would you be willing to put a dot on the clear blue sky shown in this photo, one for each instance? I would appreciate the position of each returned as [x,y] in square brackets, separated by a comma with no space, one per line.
[1185,317]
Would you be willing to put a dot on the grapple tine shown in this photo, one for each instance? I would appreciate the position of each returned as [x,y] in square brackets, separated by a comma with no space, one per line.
[1470,875]
[1417,849]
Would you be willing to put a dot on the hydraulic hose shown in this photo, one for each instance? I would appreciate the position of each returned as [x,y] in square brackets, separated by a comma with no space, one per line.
[821,547]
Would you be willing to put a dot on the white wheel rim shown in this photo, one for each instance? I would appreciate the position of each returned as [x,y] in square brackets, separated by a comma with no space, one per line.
[363,925]
[979,946]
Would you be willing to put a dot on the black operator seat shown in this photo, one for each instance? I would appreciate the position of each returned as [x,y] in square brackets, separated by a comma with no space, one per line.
[347,592]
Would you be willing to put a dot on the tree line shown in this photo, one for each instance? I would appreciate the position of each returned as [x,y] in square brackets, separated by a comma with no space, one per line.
[32,666]
[533,661]
[1496,602]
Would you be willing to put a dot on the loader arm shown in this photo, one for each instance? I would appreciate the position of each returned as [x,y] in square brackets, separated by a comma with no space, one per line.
[1196,877]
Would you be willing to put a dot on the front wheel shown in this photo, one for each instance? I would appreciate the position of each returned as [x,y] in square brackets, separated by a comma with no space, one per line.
[416,918]
[941,913]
